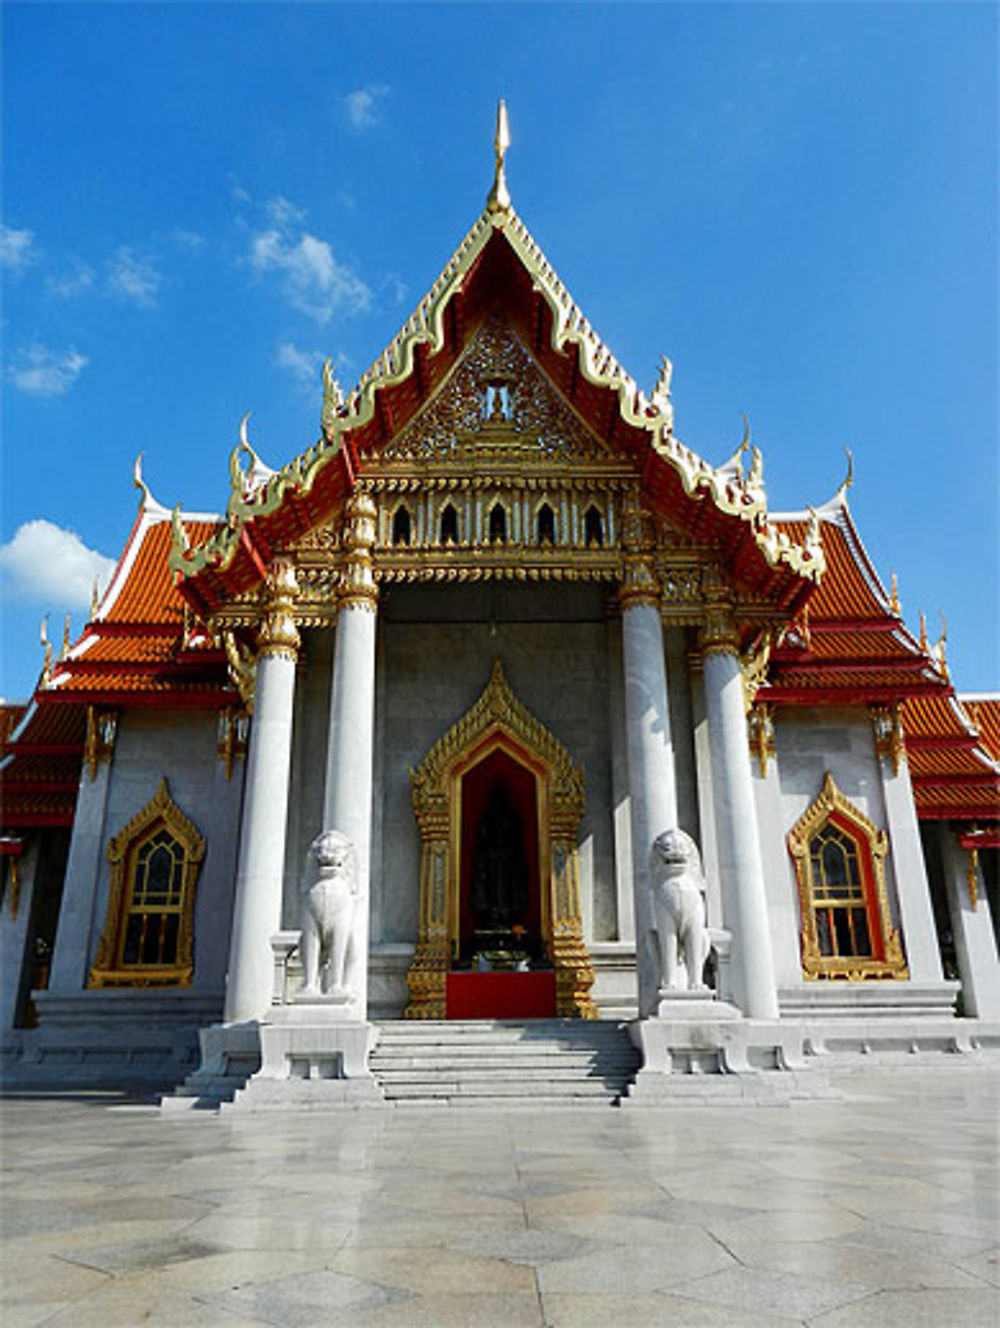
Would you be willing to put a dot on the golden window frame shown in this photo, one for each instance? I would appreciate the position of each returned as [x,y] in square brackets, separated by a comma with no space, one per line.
[109,969]
[887,960]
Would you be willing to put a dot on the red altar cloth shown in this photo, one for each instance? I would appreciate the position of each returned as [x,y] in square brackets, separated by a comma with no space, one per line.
[501,995]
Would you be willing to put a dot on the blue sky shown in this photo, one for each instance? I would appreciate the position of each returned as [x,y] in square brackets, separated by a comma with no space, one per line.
[796,203]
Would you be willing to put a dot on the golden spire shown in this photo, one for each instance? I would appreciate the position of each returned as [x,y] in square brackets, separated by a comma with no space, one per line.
[894,597]
[499,197]
[47,644]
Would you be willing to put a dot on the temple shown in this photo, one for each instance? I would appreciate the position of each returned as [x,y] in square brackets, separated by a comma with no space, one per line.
[501,631]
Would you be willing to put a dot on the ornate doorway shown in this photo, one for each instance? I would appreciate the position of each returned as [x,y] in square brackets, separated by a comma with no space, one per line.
[498,802]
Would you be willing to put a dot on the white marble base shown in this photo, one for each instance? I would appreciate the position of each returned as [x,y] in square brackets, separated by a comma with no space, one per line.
[310,1042]
[694,1036]
[701,1004]
[321,1007]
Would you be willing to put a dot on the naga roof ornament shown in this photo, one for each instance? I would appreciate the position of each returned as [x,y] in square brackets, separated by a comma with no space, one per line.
[727,488]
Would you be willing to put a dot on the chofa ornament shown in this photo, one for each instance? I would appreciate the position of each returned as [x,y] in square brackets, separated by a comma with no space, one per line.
[329,889]
[678,888]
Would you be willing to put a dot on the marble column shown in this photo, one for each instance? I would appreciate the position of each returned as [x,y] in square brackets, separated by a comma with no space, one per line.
[260,866]
[913,895]
[972,928]
[650,755]
[350,744]
[740,866]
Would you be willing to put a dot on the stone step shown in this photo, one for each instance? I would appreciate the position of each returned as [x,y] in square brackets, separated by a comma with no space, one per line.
[504,1055]
[469,1073]
[546,1062]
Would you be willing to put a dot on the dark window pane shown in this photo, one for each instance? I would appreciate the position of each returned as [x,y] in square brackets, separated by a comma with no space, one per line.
[133,934]
[862,939]
[842,928]
[823,931]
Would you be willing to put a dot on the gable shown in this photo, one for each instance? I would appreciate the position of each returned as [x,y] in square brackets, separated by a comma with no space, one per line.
[496,402]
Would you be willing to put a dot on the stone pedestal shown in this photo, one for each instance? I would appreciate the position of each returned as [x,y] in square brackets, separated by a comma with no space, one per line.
[695,1037]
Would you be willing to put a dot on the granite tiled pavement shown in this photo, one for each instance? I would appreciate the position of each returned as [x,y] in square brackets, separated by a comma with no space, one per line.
[880,1208]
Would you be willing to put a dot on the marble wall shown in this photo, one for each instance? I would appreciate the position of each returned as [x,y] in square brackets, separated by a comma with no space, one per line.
[435,653]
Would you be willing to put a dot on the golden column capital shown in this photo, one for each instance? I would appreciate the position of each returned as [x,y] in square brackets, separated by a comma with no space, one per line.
[357,580]
[639,583]
[278,635]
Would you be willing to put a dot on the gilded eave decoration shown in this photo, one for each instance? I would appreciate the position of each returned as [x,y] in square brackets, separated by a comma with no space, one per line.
[831,804]
[261,492]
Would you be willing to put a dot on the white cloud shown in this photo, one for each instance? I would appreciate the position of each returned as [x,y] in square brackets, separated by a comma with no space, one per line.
[363,105]
[132,277]
[17,249]
[42,372]
[71,284]
[47,564]
[284,213]
[312,279]
[303,365]
[187,239]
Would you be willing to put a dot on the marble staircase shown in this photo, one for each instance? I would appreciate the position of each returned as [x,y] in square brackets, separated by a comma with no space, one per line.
[538,1062]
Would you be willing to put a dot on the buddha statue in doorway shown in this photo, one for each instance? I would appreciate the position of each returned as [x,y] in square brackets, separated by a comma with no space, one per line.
[499,893]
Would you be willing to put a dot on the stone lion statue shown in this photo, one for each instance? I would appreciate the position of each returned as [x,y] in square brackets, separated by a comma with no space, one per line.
[329,888]
[678,888]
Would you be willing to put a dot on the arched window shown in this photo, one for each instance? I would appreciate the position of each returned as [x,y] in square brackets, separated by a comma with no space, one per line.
[449,525]
[149,931]
[593,528]
[498,524]
[839,860]
[401,526]
[546,523]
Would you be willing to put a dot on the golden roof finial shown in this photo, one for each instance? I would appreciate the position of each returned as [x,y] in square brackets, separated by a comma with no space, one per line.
[66,640]
[498,199]
[95,598]
[923,631]
[849,477]
[47,644]
[894,597]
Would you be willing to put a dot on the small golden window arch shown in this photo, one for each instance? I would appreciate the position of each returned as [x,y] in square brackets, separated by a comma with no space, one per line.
[545,523]
[498,524]
[593,528]
[839,858]
[449,525]
[148,938]
[401,525]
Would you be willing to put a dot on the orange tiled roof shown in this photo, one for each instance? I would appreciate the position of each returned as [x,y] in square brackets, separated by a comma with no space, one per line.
[136,646]
[954,774]
[984,711]
[850,645]
[134,652]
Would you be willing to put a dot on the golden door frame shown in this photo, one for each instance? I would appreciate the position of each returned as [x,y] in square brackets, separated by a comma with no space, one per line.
[498,721]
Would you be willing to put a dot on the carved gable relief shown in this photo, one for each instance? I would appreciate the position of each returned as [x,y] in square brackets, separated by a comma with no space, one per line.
[496,395]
